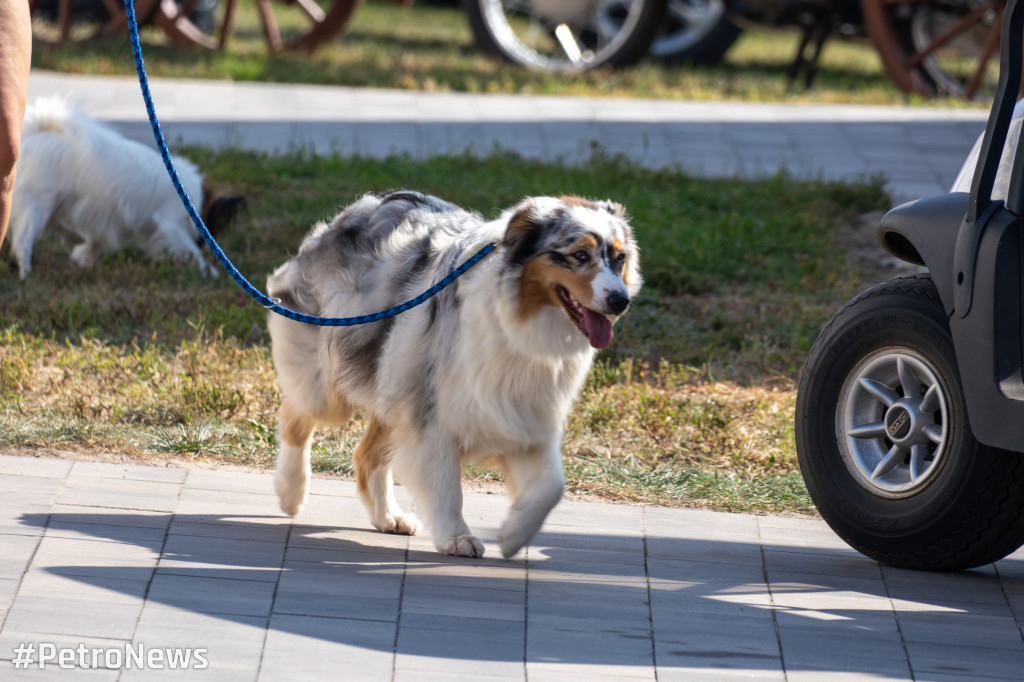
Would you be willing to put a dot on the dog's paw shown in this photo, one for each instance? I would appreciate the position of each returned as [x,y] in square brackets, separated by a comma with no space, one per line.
[291,496]
[519,528]
[460,545]
[512,538]
[406,524]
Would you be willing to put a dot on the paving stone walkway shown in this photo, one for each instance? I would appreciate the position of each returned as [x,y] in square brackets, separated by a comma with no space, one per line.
[97,556]
[919,150]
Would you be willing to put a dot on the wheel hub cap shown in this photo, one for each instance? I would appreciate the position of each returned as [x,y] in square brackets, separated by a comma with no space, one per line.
[892,423]
[898,423]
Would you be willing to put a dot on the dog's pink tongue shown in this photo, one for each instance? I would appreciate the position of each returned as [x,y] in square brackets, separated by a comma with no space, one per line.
[599,328]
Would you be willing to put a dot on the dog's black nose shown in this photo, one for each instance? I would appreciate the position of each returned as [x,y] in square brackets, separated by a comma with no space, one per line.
[617,302]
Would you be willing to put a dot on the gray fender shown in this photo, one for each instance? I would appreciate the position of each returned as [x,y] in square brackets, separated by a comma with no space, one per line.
[924,232]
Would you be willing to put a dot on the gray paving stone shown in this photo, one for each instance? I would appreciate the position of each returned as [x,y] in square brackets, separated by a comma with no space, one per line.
[347,592]
[980,586]
[553,596]
[326,648]
[134,518]
[129,472]
[233,644]
[8,588]
[132,560]
[605,644]
[216,506]
[221,558]
[60,527]
[91,491]
[415,675]
[34,466]
[558,672]
[339,488]
[831,645]
[333,511]
[553,536]
[199,594]
[969,662]
[463,602]
[485,573]
[233,530]
[742,549]
[73,614]
[681,636]
[229,481]
[961,629]
[852,565]
[346,546]
[17,551]
[735,673]
[832,675]
[41,486]
[25,516]
[489,648]
[667,574]
[569,559]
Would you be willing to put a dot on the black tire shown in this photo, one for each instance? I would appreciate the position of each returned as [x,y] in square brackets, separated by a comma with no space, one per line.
[637,21]
[696,33]
[952,504]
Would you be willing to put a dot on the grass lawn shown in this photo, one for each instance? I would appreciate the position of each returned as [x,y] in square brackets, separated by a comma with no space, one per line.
[430,47]
[692,404]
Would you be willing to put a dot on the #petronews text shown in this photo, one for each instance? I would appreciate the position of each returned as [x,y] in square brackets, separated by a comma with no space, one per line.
[43,654]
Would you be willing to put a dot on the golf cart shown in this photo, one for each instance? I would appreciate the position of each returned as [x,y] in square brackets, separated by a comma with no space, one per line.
[910,411]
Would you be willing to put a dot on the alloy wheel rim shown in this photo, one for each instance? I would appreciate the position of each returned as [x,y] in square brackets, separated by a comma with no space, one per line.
[892,423]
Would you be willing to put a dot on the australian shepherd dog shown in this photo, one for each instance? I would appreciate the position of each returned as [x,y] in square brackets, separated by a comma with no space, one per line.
[104,191]
[484,372]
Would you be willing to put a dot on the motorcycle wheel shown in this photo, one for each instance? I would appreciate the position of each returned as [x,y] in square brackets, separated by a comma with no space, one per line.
[695,31]
[565,35]
[884,442]
[62,22]
[938,48]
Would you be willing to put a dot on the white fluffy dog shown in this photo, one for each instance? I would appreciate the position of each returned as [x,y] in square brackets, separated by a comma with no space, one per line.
[104,191]
[486,371]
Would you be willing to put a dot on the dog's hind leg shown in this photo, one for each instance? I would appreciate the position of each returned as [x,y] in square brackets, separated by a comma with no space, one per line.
[291,480]
[376,487]
[536,483]
[28,220]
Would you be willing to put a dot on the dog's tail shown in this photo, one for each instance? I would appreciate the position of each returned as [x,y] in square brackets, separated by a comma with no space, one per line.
[46,114]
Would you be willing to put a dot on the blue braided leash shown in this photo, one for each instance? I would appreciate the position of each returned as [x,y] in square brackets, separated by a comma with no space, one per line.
[269,303]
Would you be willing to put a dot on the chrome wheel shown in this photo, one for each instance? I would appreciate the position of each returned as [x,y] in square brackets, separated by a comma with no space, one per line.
[689,23]
[893,423]
[565,35]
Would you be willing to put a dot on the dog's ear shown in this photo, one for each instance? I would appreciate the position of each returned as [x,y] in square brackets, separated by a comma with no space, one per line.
[613,207]
[522,234]
[221,212]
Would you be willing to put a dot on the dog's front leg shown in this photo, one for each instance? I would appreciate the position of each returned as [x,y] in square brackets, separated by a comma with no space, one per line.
[536,483]
[291,480]
[432,470]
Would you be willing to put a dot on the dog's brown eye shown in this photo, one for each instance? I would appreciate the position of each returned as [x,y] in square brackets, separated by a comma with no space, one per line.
[620,257]
[581,256]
